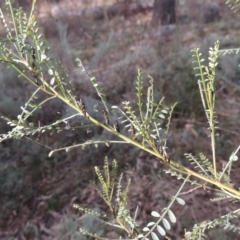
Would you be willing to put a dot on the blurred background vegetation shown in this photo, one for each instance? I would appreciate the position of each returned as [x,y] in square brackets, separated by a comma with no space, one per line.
[37,192]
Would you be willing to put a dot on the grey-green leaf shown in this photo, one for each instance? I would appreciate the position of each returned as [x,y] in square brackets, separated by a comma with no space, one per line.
[164,111]
[150,224]
[180,201]
[50,71]
[43,57]
[154,236]
[155,214]
[166,224]
[52,81]
[172,216]
[162,116]
[234,157]
[161,230]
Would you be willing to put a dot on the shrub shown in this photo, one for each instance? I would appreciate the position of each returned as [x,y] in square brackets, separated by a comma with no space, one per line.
[146,128]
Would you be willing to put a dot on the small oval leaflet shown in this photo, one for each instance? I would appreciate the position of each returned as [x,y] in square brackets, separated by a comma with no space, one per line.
[43,57]
[162,116]
[146,229]
[234,157]
[166,224]
[93,79]
[52,81]
[172,216]
[180,201]
[154,236]
[164,111]
[155,214]
[150,224]
[153,136]
[140,236]
[50,71]
[68,149]
[161,230]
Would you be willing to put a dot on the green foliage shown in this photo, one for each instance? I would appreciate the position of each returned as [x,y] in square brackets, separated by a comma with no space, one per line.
[223,221]
[202,163]
[97,87]
[25,50]
[153,226]
[233,4]
[152,126]
[112,192]
[207,88]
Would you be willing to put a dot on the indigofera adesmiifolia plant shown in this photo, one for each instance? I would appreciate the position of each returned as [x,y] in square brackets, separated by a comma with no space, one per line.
[25,50]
